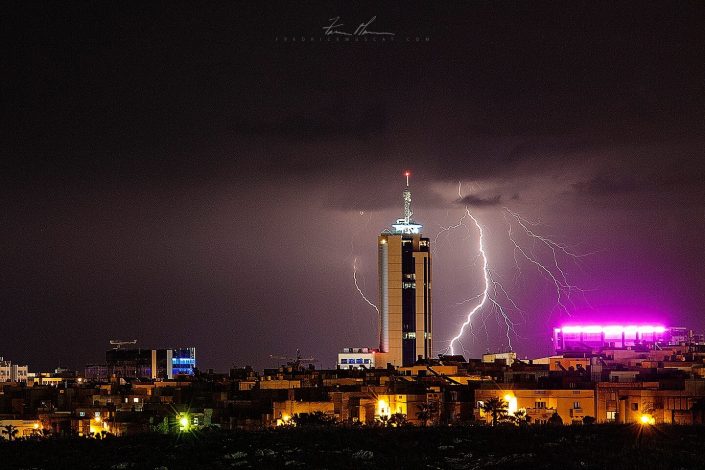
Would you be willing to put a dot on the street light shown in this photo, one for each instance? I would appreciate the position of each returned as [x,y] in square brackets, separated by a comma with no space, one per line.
[646,419]
[184,422]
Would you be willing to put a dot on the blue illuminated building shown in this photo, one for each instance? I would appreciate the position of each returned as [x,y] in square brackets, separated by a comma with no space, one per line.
[183,361]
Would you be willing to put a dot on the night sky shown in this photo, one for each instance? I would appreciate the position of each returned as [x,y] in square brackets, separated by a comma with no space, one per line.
[184,176]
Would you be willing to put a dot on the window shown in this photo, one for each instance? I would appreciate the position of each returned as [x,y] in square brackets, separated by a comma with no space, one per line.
[635,407]
[540,404]
[576,405]
[358,361]
[611,416]
[343,361]
[136,400]
[81,413]
[367,361]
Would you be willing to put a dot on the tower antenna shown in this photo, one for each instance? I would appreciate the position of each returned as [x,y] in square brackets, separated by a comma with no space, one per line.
[406,224]
[407,200]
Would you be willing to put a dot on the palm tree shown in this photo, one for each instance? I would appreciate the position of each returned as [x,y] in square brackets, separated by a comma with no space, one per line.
[424,413]
[521,418]
[11,431]
[495,407]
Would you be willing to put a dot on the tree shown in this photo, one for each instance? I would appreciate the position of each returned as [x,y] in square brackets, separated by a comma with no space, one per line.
[397,420]
[496,407]
[427,410]
[555,420]
[698,410]
[520,418]
[384,420]
[588,420]
[317,418]
[11,431]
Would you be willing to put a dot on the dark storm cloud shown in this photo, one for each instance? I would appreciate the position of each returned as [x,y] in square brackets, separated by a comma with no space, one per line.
[670,170]
[609,185]
[477,201]
[337,121]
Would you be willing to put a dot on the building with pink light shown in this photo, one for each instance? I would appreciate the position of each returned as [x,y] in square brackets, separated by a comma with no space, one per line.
[593,338]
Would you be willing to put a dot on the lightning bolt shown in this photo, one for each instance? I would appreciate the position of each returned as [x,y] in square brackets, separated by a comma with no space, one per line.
[355,268]
[485,293]
[493,290]
[492,287]
[357,286]
[552,272]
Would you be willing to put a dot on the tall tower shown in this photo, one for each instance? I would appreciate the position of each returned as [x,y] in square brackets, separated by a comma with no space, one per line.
[404,257]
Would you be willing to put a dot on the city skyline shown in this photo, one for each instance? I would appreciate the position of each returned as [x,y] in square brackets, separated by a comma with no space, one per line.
[191,179]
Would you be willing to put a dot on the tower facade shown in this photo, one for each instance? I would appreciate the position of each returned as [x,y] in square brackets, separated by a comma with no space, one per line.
[404,257]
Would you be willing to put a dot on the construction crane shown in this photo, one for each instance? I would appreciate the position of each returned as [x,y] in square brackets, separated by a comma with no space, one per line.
[295,362]
[118,343]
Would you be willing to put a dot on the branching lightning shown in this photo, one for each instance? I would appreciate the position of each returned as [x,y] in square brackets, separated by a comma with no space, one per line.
[493,290]
[485,293]
[553,272]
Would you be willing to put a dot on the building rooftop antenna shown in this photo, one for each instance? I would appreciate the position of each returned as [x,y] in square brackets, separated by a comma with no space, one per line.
[407,200]
[407,224]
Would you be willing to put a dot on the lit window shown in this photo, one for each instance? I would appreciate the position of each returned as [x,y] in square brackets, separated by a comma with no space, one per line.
[136,400]
[343,361]
[358,361]
[367,361]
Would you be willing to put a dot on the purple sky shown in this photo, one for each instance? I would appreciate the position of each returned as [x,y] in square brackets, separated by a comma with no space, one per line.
[177,176]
